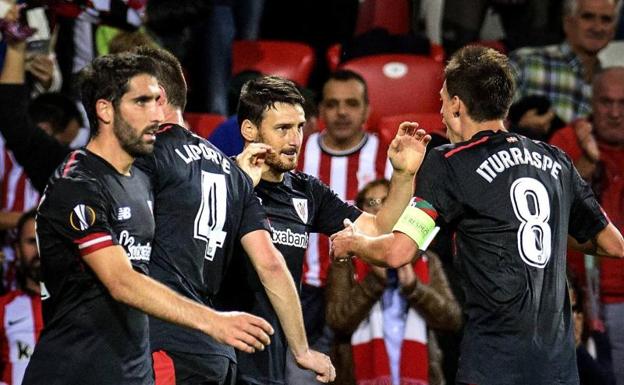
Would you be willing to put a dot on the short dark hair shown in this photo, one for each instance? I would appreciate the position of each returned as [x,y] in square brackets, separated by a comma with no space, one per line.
[108,77]
[170,74]
[346,75]
[261,94]
[56,109]
[482,79]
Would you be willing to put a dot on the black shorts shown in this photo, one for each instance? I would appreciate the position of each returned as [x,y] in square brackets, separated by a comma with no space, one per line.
[176,368]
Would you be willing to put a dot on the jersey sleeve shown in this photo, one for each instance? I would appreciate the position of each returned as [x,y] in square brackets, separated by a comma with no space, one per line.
[254,217]
[76,211]
[331,210]
[586,216]
[436,185]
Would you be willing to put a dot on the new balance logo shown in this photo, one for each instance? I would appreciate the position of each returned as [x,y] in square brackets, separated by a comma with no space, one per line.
[124,214]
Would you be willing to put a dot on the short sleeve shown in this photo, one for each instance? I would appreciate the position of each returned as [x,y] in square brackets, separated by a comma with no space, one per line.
[435,184]
[75,210]
[587,218]
[254,217]
[331,210]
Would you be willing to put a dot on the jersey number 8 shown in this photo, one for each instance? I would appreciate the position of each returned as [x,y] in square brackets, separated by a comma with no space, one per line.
[531,205]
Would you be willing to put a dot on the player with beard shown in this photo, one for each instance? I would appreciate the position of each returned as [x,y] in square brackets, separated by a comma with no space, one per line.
[95,228]
[270,112]
[179,257]
[205,209]
[20,309]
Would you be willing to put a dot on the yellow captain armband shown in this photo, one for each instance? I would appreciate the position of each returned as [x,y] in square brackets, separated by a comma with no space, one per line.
[418,222]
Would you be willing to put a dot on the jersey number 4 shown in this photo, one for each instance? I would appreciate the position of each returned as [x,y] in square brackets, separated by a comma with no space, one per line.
[210,217]
[531,205]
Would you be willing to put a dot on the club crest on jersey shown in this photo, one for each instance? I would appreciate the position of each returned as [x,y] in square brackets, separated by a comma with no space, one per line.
[301,207]
[82,217]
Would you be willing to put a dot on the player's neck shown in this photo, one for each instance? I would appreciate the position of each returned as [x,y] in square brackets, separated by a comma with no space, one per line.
[109,149]
[273,176]
[174,116]
[470,128]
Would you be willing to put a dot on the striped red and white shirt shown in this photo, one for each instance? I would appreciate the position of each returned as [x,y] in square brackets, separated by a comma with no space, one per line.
[16,194]
[21,325]
[345,173]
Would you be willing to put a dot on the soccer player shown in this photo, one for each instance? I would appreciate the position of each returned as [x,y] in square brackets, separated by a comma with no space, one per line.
[270,112]
[205,208]
[185,356]
[513,202]
[95,227]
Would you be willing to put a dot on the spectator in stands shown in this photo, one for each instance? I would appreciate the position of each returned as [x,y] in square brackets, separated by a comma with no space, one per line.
[525,22]
[372,306]
[596,145]
[593,356]
[57,115]
[77,21]
[20,309]
[563,73]
[345,157]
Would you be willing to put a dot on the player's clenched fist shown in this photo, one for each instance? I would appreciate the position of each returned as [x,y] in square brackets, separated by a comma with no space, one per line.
[242,331]
[319,363]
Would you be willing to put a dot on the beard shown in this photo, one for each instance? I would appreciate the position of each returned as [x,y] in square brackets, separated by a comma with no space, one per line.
[130,141]
[31,270]
[276,164]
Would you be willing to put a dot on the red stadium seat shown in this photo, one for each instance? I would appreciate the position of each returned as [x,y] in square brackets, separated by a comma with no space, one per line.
[203,124]
[333,56]
[291,60]
[429,121]
[392,15]
[399,84]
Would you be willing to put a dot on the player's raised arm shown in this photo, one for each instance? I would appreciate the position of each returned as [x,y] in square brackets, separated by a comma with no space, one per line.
[406,153]
[413,231]
[240,330]
[280,288]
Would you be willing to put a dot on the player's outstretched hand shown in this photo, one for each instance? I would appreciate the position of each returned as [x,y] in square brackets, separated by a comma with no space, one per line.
[319,363]
[342,241]
[252,160]
[407,150]
[242,331]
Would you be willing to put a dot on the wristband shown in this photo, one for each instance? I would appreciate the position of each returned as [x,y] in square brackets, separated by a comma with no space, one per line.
[417,222]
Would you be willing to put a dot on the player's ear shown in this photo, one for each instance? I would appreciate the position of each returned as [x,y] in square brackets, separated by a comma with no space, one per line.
[249,131]
[104,111]
[457,106]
